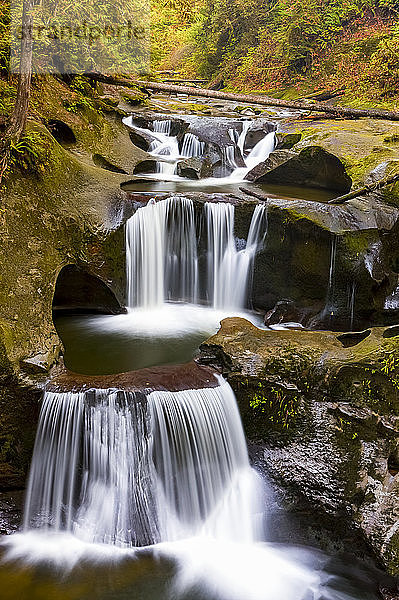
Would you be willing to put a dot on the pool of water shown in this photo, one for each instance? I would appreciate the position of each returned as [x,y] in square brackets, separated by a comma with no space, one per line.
[109,344]
[65,568]
[212,186]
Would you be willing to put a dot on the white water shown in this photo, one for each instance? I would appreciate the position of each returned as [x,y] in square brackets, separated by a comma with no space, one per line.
[112,471]
[134,469]
[392,301]
[161,254]
[229,269]
[192,146]
[162,262]
[166,148]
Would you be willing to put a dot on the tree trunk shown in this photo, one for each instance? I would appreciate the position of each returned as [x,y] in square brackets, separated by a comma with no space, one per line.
[367,189]
[339,111]
[19,115]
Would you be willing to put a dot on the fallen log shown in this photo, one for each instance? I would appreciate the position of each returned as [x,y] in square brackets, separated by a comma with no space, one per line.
[340,111]
[266,101]
[367,189]
[178,81]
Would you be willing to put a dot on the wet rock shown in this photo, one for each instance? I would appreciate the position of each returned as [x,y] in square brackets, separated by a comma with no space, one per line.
[146,166]
[283,312]
[361,145]
[171,378]
[141,139]
[325,419]
[79,291]
[37,364]
[276,158]
[194,168]
[190,168]
[256,133]
[312,167]
[286,141]
[11,509]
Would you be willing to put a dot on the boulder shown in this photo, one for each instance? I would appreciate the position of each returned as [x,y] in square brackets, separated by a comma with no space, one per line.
[284,311]
[362,146]
[141,139]
[275,159]
[194,168]
[255,135]
[312,167]
[286,141]
[146,166]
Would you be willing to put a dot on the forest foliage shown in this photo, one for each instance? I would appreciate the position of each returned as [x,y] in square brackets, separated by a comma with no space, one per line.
[292,47]
[286,48]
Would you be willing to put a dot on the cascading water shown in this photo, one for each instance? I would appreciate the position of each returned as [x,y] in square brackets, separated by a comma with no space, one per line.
[192,146]
[162,263]
[166,147]
[132,469]
[243,135]
[161,258]
[90,468]
[229,269]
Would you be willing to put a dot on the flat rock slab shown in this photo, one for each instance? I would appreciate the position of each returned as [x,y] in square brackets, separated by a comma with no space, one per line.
[169,378]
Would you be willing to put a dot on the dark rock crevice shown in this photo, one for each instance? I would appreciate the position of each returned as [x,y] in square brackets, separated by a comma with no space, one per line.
[78,291]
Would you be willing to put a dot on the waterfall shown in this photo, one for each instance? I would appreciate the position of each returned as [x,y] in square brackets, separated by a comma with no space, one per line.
[392,301]
[211,492]
[192,147]
[161,253]
[229,269]
[87,461]
[166,148]
[329,307]
[243,135]
[351,304]
[258,154]
[162,126]
[132,469]
[228,157]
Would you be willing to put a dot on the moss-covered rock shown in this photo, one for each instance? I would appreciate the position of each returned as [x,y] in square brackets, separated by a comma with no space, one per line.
[324,411]
[363,146]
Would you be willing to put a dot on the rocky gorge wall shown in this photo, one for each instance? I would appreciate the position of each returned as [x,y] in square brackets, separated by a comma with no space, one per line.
[322,409]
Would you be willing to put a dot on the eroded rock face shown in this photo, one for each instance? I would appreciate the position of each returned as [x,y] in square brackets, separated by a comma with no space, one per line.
[334,263]
[325,418]
[194,168]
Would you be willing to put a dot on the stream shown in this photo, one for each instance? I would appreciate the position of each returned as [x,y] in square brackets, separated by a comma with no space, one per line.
[149,493]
